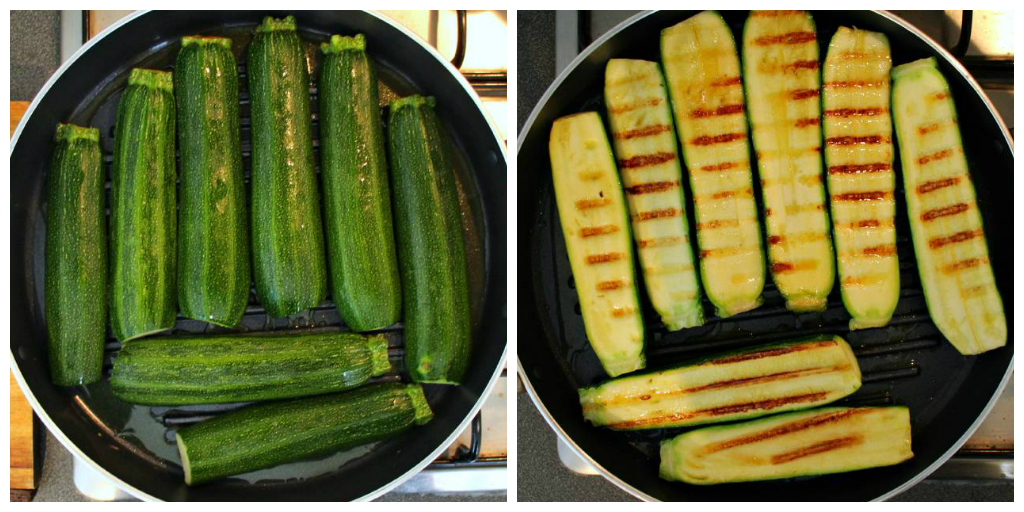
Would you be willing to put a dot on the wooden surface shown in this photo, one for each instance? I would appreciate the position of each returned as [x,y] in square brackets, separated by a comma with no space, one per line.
[18,109]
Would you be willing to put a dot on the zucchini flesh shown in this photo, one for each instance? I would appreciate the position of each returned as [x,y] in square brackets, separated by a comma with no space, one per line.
[76,258]
[858,158]
[743,384]
[213,252]
[266,435]
[784,112]
[949,240]
[703,72]
[593,217]
[645,145]
[244,368]
[816,442]
[357,203]
[143,210]
[287,237]
[432,257]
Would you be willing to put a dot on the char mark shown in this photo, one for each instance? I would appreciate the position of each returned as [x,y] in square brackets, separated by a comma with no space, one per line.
[656,214]
[802,94]
[859,168]
[647,131]
[594,259]
[862,196]
[707,140]
[656,186]
[852,112]
[586,204]
[788,428]
[817,448]
[945,211]
[598,230]
[931,186]
[723,110]
[646,160]
[938,155]
[847,141]
[962,236]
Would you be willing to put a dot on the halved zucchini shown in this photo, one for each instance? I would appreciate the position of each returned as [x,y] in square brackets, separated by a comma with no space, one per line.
[596,230]
[817,442]
[858,156]
[949,241]
[645,145]
[703,72]
[726,387]
[784,111]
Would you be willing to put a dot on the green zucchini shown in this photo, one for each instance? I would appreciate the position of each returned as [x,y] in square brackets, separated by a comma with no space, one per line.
[243,368]
[645,145]
[816,442]
[357,203]
[76,258]
[431,250]
[743,384]
[287,236]
[858,157]
[703,72]
[266,435]
[213,248]
[596,230]
[143,210]
[949,240]
[785,113]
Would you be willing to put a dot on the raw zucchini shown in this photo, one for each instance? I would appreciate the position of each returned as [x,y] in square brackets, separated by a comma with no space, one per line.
[816,442]
[213,248]
[76,258]
[949,240]
[143,209]
[703,72]
[744,384]
[431,250]
[287,236]
[645,145]
[357,204]
[243,368]
[858,158]
[784,120]
[266,435]
[593,217]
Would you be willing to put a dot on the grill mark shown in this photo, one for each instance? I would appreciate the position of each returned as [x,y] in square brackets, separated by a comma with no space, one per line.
[788,428]
[939,96]
[800,64]
[945,211]
[591,175]
[863,280]
[797,266]
[846,141]
[975,291]
[618,312]
[869,223]
[723,110]
[788,38]
[668,269]
[646,160]
[586,204]
[807,121]
[664,241]
[656,214]
[655,186]
[931,186]
[855,84]
[598,230]
[724,410]
[726,82]
[964,264]
[605,286]
[725,194]
[816,448]
[707,140]
[861,55]
[962,236]
[938,155]
[646,131]
[722,252]
[928,128]
[724,166]
[853,112]
[595,259]
[859,168]
[772,352]
[797,238]
[881,250]
[802,94]
[714,224]
[862,196]
[653,102]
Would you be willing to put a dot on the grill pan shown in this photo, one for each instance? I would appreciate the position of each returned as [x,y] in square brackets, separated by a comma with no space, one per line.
[906,363]
[134,445]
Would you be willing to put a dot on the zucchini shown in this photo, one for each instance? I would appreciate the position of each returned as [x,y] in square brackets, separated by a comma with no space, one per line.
[784,113]
[645,145]
[213,252]
[858,157]
[816,442]
[593,217]
[743,384]
[949,240]
[143,210]
[357,203]
[287,236]
[76,258]
[431,250]
[244,368]
[266,435]
[703,72]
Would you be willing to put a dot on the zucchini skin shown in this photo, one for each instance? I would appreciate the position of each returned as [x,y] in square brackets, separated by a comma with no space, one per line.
[213,231]
[431,249]
[243,368]
[143,216]
[76,258]
[287,236]
[266,435]
[357,201]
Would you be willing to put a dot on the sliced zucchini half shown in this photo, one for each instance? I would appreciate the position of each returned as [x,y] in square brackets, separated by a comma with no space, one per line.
[645,146]
[596,230]
[861,182]
[952,255]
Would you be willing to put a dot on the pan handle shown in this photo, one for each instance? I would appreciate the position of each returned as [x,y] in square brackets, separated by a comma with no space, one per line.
[966,23]
[460,45]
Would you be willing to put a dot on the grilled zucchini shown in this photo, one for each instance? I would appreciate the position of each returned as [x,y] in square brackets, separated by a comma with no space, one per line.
[703,72]
[949,241]
[858,156]
[645,145]
[784,114]
[593,216]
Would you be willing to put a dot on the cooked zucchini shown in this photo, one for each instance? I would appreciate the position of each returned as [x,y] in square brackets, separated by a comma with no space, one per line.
[858,157]
[949,240]
[816,442]
[703,72]
[593,216]
[645,145]
[726,387]
[784,112]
